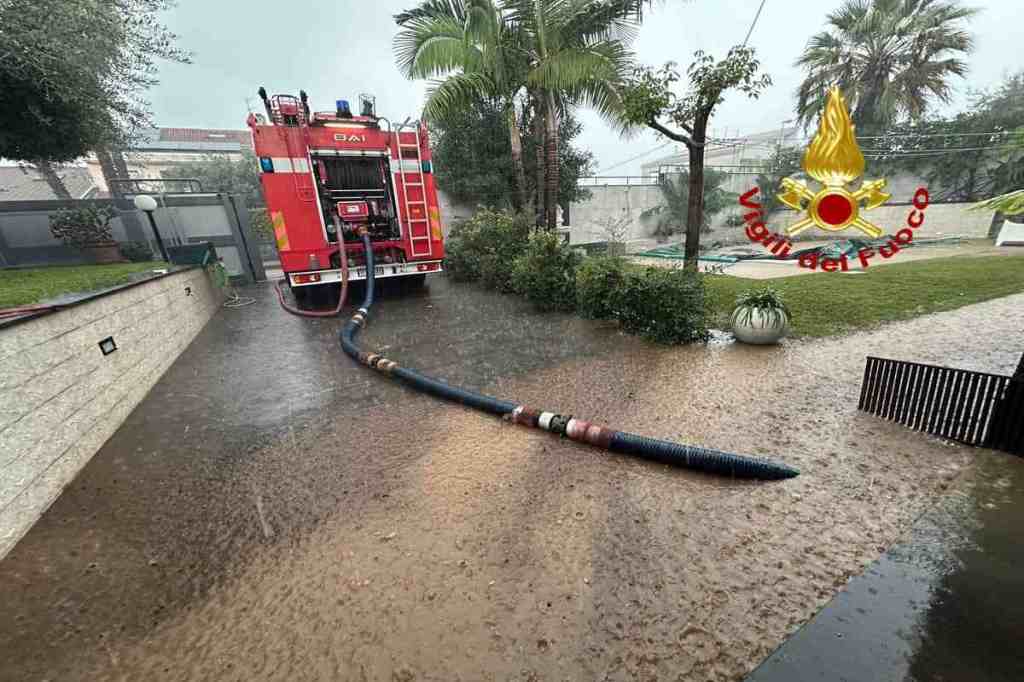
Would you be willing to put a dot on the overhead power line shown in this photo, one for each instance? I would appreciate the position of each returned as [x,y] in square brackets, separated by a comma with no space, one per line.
[754,23]
[632,158]
[893,135]
[935,151]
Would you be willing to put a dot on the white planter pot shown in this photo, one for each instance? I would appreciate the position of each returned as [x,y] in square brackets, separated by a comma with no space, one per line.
[758,327]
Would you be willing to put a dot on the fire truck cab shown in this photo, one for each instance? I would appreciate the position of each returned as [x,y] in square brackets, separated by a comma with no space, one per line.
[328,175]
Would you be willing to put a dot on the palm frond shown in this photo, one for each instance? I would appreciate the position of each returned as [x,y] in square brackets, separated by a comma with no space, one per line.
[432,9]
[890,57]
[431,46]
[1011,203]
[446,97]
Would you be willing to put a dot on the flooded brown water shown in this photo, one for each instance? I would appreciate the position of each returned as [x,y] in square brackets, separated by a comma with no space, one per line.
[398,538]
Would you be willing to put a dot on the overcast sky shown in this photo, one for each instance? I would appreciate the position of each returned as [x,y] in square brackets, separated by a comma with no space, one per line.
[336,50]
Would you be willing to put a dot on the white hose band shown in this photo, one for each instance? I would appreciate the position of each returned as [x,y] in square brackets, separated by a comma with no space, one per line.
[545,420]
[575,428]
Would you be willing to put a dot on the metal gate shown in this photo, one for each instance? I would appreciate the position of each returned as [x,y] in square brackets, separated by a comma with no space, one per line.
[182,218]
[976,408]
[193,216]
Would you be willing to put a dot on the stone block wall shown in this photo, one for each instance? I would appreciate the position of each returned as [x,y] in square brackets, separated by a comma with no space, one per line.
[61,398]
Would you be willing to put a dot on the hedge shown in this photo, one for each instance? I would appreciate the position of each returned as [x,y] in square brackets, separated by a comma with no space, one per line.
[545,273]
[485,246]
[502,251]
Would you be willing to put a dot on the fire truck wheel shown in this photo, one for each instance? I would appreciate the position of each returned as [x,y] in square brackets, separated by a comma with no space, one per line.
[413,282]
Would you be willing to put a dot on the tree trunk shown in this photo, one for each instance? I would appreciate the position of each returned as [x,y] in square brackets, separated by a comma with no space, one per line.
[113,166]
[109,171]
[120,165]
[551,162]
[516,140]
[52,179]
[695,205]
[996,225]
[538,133]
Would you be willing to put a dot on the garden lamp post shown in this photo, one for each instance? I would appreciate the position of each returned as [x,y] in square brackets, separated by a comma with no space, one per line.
[146,203]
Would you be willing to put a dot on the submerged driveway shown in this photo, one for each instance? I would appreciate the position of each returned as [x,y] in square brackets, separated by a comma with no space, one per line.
[272,511]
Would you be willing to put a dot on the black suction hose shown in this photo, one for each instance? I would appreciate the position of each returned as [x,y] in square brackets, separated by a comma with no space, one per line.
[701,459]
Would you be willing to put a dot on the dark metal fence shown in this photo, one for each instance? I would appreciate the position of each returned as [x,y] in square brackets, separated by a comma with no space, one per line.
[186,218]
[976,408]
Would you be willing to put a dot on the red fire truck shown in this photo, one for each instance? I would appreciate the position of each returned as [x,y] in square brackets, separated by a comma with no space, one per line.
[323,172]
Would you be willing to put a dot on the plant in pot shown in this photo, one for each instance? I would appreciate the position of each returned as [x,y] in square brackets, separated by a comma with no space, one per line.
[760,317]
[87,229]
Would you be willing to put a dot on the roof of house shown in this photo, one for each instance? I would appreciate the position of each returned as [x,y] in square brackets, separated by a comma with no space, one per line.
[193,139]
[24,183]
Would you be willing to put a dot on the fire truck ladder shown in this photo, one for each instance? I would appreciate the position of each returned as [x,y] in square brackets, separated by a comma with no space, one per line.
[420,243]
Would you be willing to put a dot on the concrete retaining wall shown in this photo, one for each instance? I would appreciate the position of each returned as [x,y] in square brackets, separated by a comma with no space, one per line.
[940,220]
[589,218]
[61,398]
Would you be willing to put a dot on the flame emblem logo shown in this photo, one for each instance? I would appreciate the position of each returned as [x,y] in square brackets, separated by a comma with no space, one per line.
[835,161]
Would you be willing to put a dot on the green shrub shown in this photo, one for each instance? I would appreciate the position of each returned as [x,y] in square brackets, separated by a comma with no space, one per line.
[136,252]
[735,220]
[82,227]
[598,281]
[485,246]
[259,219]
[546,272]
[663,305]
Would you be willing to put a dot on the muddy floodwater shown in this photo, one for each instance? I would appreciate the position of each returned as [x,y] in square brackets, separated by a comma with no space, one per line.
[273,512]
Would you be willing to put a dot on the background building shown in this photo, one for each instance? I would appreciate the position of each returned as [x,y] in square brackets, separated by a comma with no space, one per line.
[741,157]
[22,182]
[158,151]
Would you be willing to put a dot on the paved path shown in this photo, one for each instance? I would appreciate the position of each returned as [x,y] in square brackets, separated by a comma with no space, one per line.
[272,511]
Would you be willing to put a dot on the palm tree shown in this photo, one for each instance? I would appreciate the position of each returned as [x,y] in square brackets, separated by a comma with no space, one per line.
[472,45]
[566,52]
[670,217]
[576,54]
[889,57]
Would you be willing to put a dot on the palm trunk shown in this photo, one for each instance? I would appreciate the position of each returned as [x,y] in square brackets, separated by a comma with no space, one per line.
[538,133]
[52,179]
[695,205]
[516,140]
[551,162]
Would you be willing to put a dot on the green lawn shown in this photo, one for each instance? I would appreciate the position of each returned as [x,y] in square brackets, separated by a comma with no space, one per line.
[24,286]
[830,303]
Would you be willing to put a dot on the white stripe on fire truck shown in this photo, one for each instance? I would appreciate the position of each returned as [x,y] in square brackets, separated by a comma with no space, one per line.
[283,164]
[347,152]
[406,166]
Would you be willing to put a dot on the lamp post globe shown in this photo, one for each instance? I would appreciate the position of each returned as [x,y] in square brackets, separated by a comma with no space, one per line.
[144,202]
[148,204]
